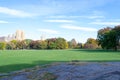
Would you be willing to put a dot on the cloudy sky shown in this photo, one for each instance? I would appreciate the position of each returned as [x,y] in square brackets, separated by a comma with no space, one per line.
[79,19]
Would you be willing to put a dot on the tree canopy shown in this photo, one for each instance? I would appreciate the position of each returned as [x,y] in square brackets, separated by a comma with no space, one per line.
[109,38]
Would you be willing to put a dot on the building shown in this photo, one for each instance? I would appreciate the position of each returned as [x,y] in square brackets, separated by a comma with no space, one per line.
[18,35]
[3,39]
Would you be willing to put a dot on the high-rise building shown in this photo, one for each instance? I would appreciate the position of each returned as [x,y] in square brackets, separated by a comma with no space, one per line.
[19,35]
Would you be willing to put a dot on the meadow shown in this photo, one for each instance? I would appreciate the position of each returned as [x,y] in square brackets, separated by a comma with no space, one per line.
[12,60]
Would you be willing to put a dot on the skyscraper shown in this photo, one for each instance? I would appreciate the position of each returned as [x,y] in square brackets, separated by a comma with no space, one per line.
[19,35]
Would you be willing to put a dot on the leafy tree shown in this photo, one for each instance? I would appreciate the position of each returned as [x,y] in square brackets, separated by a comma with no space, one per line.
[109,38]
[2,45]
[14,44]
[21,45]
[57,43]
[51,43]
[34,44]
[28,41]
[61,43]
[91,44]
[72,43]
[117,30]
[102,37]
[10,46]
[79,45]
[42,45]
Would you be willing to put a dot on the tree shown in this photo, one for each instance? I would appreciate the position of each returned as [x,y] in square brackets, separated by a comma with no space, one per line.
[117,30]
[79,45]
[21,45]
[2,45]
[28,41]
[42,45]
[91,44]
[57,43]
[72,43]
[51,43]
[38,44]
[34,44]
[109,38]
[10,46]
[61,43]
[14,44]
[102,37]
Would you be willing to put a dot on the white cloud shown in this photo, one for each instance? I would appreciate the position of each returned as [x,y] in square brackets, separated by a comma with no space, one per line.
[89,17]
[58,16]
[60,21]
[3,22]
[105,23]
[50,31]
[14,12]
[95,17]
[78,28]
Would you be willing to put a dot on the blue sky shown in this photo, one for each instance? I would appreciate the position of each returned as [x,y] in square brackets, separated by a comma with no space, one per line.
[79,19]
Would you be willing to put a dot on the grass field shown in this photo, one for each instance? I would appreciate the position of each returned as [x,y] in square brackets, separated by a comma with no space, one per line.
[11,60]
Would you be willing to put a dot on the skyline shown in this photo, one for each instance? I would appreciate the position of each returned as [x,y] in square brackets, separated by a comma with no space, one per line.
[79,19]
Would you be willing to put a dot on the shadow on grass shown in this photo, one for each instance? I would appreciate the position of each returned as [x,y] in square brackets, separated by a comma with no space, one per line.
[94,50]
[16,67]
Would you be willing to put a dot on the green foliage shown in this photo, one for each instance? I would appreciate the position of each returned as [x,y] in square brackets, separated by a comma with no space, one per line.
[34,44]
[61,43]
[10,46]
[53,43]
[117,30]
[57,43]
[14,44]
[21,45]
[42,45]
[91,44]
[72,44]
[79,46]
[2,45]
[38,45]
[109,38]
[28,41]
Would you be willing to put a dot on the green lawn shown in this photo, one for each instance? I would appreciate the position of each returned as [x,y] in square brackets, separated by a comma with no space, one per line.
[11,60]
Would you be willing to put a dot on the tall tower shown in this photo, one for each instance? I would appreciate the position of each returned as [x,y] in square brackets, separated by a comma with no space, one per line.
[22,35]
[19,35]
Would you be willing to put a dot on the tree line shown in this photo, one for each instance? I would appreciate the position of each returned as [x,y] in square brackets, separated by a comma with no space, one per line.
[53,43]
[107,38]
